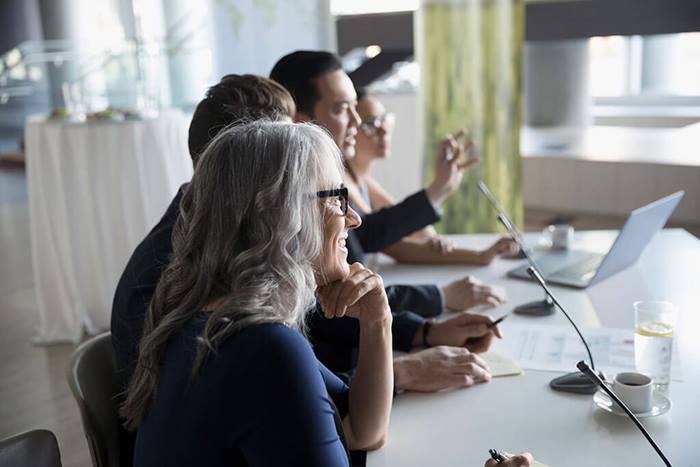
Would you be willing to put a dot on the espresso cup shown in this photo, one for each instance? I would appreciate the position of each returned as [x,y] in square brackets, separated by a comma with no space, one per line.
[560,235]
[635,390]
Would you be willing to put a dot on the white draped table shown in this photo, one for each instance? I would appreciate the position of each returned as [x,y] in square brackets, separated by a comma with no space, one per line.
[95,190]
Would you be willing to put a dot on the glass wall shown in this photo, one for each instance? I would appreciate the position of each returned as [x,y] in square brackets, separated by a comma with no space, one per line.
[661,65]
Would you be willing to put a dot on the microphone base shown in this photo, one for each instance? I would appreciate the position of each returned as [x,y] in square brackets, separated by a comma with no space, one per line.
[536,308]
[575,382]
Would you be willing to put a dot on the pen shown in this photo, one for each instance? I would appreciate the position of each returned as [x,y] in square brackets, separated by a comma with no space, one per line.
[497,322]
[497,455]
[449,155]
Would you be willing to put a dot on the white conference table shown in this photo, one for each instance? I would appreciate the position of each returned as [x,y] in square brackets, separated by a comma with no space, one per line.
[456,428]
[95,190]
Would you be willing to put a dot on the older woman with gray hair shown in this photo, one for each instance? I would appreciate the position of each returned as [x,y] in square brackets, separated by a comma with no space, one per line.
[224,373]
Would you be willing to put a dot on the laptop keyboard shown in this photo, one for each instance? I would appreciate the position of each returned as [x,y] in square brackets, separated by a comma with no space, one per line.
[581,270]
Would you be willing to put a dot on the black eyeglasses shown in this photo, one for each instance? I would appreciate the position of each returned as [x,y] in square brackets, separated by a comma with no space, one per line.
[341,193]
[371,126]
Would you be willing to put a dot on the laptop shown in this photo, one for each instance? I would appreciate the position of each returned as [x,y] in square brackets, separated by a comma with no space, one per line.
[579,268]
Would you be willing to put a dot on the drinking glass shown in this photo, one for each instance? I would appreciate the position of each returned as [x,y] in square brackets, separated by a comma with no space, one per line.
[653,339]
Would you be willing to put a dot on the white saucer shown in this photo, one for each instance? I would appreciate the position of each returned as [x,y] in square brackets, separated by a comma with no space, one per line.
[660,405]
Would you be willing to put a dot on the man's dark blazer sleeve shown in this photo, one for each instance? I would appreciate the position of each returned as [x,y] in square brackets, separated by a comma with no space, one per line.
[424,300]
[389,225]
[136,287]
[334,340]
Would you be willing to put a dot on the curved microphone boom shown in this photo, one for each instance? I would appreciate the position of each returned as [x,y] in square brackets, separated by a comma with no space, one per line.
[595,379]
[538,307]
[571,382]
[538,277]
[503,219]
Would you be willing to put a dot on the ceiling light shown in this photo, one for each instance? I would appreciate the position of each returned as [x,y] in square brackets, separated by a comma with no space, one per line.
[372,51]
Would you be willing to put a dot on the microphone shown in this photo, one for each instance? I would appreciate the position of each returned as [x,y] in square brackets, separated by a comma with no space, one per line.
[594,378]
[543,307]
[571,382]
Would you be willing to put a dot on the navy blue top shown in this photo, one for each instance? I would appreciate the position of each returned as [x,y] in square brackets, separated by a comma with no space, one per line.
[263,399]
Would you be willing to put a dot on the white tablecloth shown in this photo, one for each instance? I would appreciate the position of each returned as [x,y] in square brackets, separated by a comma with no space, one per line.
[95,190]
[456,428]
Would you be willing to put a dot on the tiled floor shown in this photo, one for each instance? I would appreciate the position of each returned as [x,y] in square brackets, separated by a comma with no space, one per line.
[33,388]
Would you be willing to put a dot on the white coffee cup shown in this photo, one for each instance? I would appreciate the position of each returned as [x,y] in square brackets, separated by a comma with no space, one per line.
[635,390]
[560,235]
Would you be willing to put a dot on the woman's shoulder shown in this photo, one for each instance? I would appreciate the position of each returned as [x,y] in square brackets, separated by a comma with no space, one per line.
[274,333]
[272,343]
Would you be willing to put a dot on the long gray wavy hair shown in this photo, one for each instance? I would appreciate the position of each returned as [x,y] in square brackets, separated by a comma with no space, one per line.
[249,230]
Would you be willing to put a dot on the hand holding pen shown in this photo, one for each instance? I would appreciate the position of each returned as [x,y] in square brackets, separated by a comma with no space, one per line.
[505,460]
[498,321]
[483,341]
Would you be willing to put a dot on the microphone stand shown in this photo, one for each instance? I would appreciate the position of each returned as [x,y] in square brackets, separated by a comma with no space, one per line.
[544,307]
[538,307]
[594,378]
[571,382]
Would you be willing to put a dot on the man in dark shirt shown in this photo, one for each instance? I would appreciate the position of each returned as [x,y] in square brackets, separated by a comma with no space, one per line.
[234,98]
[248,97]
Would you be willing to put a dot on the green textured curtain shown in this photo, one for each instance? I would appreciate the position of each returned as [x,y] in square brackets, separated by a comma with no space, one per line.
[470,55]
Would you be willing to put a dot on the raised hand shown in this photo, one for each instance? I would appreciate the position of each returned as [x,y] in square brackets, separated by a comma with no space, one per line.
[450,166]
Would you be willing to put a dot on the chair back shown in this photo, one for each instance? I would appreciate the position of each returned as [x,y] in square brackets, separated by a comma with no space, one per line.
[93,381]
[36,448]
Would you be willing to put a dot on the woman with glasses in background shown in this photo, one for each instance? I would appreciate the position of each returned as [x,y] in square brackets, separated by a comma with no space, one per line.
[367,195]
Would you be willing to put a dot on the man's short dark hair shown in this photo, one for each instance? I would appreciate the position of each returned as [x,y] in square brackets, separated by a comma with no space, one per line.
[361,93]
[298,71]
[237,97]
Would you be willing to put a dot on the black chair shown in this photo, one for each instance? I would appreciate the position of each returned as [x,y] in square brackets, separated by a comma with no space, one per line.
[36,448]
[92,379]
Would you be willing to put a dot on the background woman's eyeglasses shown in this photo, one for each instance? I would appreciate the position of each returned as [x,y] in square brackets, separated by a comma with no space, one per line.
[341,193]
[371,126]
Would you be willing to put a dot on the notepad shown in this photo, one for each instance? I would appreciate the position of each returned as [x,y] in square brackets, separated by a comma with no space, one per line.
[501,364]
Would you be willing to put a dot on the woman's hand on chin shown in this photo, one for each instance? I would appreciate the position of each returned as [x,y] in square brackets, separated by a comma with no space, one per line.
[361,295]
